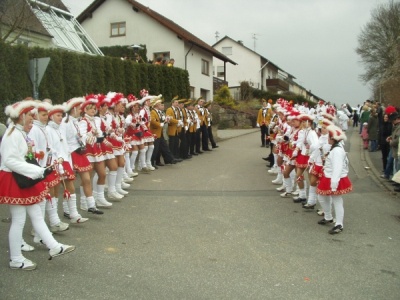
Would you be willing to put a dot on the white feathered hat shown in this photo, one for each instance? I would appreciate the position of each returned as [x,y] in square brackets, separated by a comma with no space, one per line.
[22,107]
[70,104]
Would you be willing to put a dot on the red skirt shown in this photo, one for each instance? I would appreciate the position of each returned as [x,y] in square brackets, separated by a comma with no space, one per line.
[148,137]
[107,151]
[68,172]
[316,170]
[12,194]
[80,162]
[52,179]
[302,161]
[324,186]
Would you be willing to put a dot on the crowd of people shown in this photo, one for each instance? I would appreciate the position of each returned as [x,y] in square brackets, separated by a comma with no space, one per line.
[105,139]
[308,141]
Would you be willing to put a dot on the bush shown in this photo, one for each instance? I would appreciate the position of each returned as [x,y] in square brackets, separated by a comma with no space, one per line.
[224,98]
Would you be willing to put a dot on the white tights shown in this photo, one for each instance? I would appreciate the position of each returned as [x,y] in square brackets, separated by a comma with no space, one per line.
[18,217]
[326,203]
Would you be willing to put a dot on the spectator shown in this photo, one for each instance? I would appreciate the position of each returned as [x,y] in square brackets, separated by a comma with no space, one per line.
[364,135]
[384,133]
[171,62]
[364,116]
[373,130]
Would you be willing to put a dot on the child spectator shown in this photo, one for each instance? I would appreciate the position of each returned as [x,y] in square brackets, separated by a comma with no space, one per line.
[364,135]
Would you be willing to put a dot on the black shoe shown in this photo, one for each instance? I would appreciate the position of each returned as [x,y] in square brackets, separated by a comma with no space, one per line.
[216,146]
[160,164]
[199,152]
[265,158]
[95,211]
[397,189]
[177,160]
[67,215]
[267,145]
[207,149]
[324,222]
[299,200]
[336,229]
[194,153]
[155,167]
[262,146]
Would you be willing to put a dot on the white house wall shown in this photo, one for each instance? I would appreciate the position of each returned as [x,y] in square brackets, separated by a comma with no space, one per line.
[142,29]
[248,68]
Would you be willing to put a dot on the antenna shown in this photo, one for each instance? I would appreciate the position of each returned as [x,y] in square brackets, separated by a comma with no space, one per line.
[254,37]
[217,36]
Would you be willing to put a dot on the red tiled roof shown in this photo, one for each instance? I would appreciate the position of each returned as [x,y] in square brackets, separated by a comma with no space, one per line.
[181,32]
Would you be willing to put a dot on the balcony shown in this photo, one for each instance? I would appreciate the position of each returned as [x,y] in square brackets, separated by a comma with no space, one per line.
[277,84]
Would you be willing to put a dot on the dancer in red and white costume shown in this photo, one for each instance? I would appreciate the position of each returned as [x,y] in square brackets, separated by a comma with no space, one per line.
[89,126]
[80,163]
[44,156]
[318,152]
[106,146]
[306,138]
[14,149]
[148,138]
[335,181]
[116,122]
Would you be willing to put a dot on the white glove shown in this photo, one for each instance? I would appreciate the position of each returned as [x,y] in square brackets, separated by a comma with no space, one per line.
[186,127]
[119,138]
[258,125]
[91,140]
[61,169]
[161,124]
[180,123]
[295,153]
[334,185]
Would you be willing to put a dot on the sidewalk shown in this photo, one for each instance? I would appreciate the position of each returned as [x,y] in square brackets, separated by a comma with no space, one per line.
[223,134]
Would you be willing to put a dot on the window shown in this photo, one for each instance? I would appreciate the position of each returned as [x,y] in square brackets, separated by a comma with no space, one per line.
[227,50]
[118,29]
[204,94]
[220,71]
[205,67]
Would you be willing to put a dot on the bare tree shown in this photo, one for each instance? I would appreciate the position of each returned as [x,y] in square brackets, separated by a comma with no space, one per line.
[379,44]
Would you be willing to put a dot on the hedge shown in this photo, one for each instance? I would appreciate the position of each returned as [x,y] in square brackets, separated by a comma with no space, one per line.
[70,74]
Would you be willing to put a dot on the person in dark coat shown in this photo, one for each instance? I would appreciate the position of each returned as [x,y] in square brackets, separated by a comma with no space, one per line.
[384,133]
[373,130]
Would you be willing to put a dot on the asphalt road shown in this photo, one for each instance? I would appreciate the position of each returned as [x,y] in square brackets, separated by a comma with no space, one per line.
[214,227]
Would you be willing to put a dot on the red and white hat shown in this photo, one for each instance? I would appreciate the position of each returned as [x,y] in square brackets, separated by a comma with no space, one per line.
[325,123]
[70,104]
[19,108]
[336,133]
[327,116]
[89,99]
[306,117]
[59,108]
[43,106]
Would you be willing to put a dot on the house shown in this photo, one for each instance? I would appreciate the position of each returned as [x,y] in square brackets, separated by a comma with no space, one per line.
[46,24]
[260,72]
[128,22]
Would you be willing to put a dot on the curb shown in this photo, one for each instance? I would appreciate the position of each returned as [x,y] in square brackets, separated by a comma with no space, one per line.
[376,174]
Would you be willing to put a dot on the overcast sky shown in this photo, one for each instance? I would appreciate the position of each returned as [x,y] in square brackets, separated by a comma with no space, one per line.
[314,40]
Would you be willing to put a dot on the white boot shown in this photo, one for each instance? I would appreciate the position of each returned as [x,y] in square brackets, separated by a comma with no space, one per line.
[74,215]
[101,200]
[55,223]
[120,190]
[83,201]
[279,178]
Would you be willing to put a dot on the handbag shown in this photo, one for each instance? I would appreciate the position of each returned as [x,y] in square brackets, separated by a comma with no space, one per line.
[25,182]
